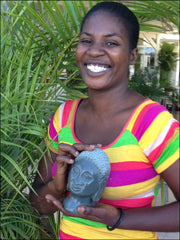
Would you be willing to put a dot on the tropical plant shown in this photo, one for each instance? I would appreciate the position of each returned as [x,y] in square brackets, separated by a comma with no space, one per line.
[167,59]
[146,83]
[38,72]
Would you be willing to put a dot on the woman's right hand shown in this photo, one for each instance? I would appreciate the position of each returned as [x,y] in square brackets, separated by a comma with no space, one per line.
[65,158]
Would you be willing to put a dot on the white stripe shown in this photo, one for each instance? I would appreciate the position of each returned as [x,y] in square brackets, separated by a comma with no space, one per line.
[61,108]
[159,139]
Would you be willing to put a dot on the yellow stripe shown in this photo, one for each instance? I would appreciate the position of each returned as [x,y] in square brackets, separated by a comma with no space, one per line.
[130,190]
[87,232]
[155,129]
[173,137]
[50,146]
[136,114]
[168,162]
[69,122]
[56,121]
[119,154]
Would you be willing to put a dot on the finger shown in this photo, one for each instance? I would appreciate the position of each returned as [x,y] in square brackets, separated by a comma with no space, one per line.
[65,149]
[52,199]
[89,213]
[86,147]
[64,159]
[88,210]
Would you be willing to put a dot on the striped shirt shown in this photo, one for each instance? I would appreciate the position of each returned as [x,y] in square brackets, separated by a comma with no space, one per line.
[147,145]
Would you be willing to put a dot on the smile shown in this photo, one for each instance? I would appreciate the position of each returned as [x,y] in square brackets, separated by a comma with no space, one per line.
[96,68]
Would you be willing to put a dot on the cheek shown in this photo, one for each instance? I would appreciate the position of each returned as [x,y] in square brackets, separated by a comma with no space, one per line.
[79,53]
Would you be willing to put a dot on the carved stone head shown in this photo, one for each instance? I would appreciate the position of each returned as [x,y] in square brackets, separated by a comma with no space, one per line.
[88,177]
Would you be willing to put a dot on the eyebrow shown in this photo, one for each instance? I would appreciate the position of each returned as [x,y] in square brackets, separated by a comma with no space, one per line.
[107,35]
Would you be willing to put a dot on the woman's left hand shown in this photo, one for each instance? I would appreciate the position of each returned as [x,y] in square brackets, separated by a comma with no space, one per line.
[102,213]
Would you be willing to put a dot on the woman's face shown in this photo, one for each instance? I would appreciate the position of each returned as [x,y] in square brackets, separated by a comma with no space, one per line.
[83,178]
[103,55]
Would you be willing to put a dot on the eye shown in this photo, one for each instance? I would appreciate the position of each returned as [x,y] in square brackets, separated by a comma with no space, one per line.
[111,44]
[85,41]
[87,176]
[75,170]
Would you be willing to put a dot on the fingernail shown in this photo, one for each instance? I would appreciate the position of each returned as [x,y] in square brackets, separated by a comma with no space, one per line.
[80,209]
[91,146]
[76,153]
[99,145]
[71,160]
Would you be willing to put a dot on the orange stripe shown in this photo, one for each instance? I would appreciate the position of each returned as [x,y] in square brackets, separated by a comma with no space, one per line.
[141,115]
[63,235]
[154,155]
[121,166]
[66,112]
[130,203]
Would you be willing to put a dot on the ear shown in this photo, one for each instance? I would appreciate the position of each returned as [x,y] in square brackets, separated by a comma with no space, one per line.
[133,56]
[99,192]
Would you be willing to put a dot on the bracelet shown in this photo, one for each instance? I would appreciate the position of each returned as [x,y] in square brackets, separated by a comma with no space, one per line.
[118,222]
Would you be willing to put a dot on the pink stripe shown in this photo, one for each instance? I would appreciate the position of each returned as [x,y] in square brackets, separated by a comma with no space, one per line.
[53,170]
[148,119]
[129,203]
[52,131]
[124,128]
[121,166]
[123,178]
[109,145]
[154,155]
[63,235]
[141,115]
[66,112]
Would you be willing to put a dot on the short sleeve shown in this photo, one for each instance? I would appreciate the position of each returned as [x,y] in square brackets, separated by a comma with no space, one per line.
[161,141]
[57,122]
[53,131]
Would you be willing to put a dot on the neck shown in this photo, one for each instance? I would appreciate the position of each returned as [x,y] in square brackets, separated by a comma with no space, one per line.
[110,101]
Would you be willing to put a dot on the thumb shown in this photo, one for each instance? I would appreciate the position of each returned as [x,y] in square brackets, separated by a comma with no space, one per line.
[53,200]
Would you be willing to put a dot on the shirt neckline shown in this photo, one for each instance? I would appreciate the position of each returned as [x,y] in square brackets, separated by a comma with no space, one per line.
[120,134]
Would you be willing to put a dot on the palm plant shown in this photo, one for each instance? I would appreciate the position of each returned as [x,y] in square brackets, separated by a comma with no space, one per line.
[38,72]
[146,83]
[167,62]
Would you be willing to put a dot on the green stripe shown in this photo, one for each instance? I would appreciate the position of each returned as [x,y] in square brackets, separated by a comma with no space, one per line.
[168,151]
[53,143]
[65,135]
[127,138]
[84,222]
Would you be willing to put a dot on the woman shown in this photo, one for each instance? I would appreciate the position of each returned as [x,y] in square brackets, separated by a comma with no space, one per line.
[139,136]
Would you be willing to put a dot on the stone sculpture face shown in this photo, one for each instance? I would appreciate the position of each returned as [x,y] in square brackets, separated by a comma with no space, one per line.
[83,181]
[87,179]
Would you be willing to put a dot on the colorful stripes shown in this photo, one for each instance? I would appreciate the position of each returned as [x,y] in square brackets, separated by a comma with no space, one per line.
[147,145]
[123,178]
[130,203]
[72,230]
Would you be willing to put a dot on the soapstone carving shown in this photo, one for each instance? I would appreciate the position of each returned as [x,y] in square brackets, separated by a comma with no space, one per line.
[87,179]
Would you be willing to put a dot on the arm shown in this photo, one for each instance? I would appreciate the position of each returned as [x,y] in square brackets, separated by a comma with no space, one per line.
[54,186]
[162,219]
[44,186]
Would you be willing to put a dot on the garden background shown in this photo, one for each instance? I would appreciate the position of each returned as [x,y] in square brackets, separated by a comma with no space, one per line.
[38,73]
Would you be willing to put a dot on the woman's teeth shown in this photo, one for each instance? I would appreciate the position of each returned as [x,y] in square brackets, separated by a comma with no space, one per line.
[96,68]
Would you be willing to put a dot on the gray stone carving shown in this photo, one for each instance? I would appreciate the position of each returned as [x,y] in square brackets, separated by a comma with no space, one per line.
[87,179]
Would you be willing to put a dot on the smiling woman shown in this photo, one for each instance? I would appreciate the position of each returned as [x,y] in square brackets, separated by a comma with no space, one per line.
[103,54]
[139,136]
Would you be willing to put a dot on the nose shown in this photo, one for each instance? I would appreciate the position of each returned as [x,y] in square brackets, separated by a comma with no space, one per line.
[96,49]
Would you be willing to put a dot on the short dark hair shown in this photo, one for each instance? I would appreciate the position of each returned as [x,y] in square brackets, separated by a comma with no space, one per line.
[123,14]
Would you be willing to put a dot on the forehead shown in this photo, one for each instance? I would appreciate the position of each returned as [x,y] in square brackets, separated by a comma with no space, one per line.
[104,22]
[85,164]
